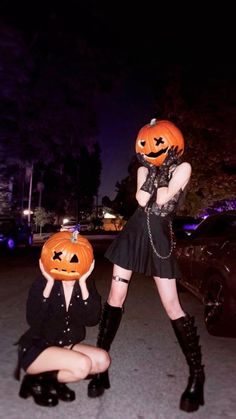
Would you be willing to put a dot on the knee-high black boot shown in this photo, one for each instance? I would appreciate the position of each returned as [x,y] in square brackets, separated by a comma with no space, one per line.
[188,339]
[109,324]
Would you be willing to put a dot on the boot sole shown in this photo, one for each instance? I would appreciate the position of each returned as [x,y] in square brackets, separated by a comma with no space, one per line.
[26,395]
[64,399]
[190,407]
[96,392]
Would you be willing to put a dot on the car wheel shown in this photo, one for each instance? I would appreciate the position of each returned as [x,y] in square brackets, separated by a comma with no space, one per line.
[215,310]
[11,244]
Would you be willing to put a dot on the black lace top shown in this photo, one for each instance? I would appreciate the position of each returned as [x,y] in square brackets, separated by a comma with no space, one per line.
[169,208]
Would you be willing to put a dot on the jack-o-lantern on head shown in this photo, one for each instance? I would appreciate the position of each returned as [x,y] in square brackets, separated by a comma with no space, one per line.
[155,139]
[67,256]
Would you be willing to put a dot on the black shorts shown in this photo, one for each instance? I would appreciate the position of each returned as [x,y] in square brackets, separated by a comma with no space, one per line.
[28,355]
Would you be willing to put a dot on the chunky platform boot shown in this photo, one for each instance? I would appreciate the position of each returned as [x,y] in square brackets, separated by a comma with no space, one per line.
[109,324]
[33,385]
[63,392]
[188,339]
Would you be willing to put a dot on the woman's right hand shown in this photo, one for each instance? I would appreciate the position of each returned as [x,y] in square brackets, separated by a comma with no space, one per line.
[46,275]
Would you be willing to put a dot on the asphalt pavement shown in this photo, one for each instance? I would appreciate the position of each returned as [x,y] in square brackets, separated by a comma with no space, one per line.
[148,371]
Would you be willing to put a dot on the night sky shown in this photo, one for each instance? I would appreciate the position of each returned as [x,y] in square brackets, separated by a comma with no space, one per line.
[149,41]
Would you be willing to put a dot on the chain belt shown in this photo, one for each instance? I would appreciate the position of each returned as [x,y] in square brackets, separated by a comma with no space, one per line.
[172,243]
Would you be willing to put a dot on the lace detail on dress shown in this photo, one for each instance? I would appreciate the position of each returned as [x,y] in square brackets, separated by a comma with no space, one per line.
[167,209]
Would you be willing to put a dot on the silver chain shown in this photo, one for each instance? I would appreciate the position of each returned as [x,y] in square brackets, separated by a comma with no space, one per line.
[172,244]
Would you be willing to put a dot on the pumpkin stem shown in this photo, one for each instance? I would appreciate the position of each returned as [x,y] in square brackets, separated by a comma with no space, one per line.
[74,236]
[153,122]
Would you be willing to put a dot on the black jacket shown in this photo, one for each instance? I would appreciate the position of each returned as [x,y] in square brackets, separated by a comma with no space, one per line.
[51,322]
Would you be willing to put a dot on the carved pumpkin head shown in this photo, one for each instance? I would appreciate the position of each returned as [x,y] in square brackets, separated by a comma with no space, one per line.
[154,140]
[67,256]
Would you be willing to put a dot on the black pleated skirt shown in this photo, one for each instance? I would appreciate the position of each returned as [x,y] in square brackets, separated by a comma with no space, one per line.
[132,249]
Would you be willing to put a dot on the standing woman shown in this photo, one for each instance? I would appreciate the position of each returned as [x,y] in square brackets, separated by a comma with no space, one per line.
[50,351]
[146,245]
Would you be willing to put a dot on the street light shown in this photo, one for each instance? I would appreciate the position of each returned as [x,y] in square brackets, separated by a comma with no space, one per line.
[29,171]
[26,212]
[40,188]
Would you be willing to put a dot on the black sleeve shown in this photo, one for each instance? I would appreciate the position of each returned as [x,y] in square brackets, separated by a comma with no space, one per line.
[92,306]
[36,305]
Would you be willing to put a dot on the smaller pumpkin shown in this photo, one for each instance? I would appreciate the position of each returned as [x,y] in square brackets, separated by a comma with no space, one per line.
[67,256]
[155,139]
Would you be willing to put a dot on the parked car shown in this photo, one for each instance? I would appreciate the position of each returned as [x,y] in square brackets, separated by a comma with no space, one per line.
[86,226]
[14,233]
[184,225]
[207,259]
[70,225]
[81,226]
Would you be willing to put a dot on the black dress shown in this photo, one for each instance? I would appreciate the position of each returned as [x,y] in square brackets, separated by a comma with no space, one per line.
[148,249]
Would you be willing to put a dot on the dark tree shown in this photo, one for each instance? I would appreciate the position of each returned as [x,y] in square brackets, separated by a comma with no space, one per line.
[14,78]
[54,69]
[125,202]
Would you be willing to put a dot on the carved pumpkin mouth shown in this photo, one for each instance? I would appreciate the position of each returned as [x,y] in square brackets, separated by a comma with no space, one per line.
[64,273]
[153,155]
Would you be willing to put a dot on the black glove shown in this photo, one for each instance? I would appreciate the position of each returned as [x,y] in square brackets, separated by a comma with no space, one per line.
[148,185]
[173,157]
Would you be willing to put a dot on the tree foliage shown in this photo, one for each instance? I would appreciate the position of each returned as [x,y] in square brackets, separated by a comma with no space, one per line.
[43,217]
[125,202]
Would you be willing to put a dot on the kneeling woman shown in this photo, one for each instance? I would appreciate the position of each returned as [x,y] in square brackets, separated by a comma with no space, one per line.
[51,351]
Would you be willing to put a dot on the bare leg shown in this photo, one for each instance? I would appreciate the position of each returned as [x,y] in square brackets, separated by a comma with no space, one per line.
[100,358]
[169,297]
[72,365]
[119,289]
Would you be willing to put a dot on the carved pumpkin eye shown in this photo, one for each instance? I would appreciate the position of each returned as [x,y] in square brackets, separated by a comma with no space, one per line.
[66,256]
[57,255]
[142,143]
[159,141]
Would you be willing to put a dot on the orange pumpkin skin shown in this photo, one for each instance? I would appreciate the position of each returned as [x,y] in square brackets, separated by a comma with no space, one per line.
[154,140]
[67,256]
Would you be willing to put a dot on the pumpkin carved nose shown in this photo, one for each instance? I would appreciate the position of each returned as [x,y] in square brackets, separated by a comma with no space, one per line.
[74,259]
